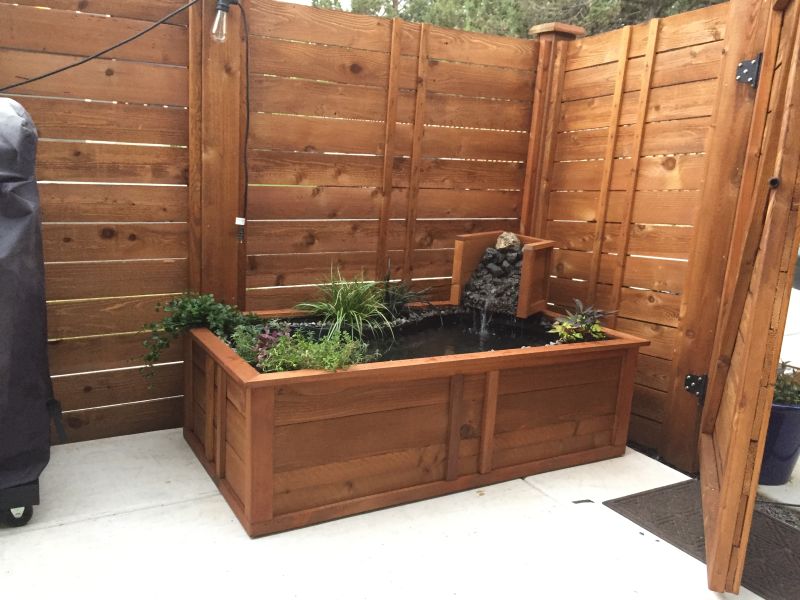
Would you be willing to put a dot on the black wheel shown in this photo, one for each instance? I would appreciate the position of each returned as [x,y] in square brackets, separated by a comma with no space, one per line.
[17,517]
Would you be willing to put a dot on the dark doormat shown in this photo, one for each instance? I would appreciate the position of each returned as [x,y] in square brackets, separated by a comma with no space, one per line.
[673,513]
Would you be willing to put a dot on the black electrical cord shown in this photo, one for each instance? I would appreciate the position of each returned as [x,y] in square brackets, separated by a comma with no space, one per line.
[102,52]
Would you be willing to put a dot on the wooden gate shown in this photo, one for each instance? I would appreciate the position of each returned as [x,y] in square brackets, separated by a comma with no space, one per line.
[754,302]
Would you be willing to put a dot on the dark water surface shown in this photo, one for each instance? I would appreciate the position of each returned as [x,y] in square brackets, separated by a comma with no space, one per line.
[461,334]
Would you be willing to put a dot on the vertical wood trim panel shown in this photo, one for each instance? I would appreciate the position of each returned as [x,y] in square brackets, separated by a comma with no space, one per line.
[627,376]
[221,408]
[488,421]
[541,201]
[533,158]
[630,192]
[260,425]
[188,398]
[221,159]
[454,426]
[416,150]
[390,124]
[211,403]
[195,206]
[608,162]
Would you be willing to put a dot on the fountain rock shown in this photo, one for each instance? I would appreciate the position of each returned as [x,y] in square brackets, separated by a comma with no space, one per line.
[508,240]
[494,285]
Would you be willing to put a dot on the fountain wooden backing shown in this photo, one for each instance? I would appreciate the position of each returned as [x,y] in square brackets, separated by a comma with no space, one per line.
[536,257]
[295,448]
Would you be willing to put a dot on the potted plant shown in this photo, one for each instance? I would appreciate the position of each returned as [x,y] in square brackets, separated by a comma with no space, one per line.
[782,448]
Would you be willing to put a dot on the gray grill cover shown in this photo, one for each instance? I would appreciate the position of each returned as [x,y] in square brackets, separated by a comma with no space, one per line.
[25,388]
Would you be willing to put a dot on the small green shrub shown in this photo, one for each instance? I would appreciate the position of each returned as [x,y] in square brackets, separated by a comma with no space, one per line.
[787,385]
[188,311]
[304,351]
[350,307]
[397,295]
[583,325]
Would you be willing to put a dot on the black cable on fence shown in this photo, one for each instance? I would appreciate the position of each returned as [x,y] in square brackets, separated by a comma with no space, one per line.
[102,52]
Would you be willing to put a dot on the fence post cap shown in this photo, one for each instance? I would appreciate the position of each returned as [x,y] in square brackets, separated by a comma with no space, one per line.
[561,30]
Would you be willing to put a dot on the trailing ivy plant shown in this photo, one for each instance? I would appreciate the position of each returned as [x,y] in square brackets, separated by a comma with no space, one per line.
[787,385]
[583,325]
[188,311]
[350,306]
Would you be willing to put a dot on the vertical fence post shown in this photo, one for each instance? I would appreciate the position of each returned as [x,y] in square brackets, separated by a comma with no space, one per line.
[219,158]
[553,41]
[195,191]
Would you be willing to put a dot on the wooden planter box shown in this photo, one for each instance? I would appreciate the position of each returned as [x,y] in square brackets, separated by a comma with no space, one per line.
[296,448]
[536,257]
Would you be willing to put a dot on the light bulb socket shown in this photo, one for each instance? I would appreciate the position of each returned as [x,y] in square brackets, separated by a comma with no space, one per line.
[225,5]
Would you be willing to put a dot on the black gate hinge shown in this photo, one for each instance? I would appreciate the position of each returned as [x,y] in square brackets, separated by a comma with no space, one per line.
[696,384]
[748,71]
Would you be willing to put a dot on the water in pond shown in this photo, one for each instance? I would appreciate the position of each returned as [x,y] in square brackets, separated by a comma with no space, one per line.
[461,334]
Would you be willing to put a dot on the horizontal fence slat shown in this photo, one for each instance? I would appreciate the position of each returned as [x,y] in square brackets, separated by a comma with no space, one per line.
[317,98]
[76,161]
[683,136]
[286,203]
[98,353]
[686,29]
[29,28]
[280,237]
[123,419]
[115,203]
[93,390]
[662,339]
[101,317]
[680,172]
[660,275]
[77,120]
[670,207]
[684,65]
[684,101]
[651,240]
[73,280]
[300,133]
[113,241]
[317,62]
[269,270]
[99,79]
[146,11]
[292,168]
[306,24]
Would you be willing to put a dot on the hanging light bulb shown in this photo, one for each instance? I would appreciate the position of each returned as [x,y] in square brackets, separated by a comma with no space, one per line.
[219,30]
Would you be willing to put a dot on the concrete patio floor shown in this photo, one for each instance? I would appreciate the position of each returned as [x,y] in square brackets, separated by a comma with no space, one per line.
[137,517]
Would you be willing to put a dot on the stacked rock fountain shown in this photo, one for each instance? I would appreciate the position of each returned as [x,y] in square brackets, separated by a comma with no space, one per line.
[494,285]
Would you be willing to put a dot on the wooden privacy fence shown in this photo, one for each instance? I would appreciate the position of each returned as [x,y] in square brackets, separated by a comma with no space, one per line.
[113,174]
[372,144]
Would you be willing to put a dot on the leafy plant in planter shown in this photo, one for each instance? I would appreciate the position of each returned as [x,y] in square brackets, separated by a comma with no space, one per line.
[188,311]
[583,325]
[397,295]
[350,306]
[782,446]
[302,350]
[787,386]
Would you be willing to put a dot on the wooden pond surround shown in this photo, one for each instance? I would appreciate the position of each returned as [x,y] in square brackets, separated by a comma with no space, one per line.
[536,260]
[300,447]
